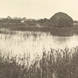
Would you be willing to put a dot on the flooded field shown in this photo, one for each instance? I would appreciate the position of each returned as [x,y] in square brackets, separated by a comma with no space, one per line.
[33,43]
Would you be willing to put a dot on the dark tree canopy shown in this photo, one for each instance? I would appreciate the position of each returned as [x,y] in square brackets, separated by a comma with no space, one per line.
[61,20]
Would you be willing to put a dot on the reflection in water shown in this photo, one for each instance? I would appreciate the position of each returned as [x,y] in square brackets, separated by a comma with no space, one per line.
[24,42]
[71,41]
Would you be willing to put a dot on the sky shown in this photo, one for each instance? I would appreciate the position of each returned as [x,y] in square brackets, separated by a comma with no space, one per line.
[38,9]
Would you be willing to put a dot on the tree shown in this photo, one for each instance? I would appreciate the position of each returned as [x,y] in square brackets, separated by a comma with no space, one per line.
[61,20]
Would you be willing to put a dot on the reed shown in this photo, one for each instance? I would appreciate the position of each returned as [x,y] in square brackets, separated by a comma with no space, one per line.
[61,63]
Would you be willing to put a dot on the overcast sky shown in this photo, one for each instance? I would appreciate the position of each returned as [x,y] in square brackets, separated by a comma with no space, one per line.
[38,8]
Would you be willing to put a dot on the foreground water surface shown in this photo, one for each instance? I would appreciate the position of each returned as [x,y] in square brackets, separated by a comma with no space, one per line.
[33,43]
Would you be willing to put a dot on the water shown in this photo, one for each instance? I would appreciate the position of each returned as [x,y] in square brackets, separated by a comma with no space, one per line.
[33,43]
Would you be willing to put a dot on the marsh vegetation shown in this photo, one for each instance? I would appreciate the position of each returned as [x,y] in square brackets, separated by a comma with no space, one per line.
[45,48]
[61,63]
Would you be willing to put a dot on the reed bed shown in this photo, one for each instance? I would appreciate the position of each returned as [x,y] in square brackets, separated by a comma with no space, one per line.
[61,63]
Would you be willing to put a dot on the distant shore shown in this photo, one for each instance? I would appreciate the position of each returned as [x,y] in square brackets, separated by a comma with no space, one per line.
[64,31]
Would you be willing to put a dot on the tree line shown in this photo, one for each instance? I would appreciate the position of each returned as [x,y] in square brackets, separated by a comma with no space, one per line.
[59,19]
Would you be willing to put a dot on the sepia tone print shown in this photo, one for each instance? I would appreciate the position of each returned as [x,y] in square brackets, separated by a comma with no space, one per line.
[38,39]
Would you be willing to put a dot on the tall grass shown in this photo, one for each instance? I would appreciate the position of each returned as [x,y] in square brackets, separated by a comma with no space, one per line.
[53,64]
